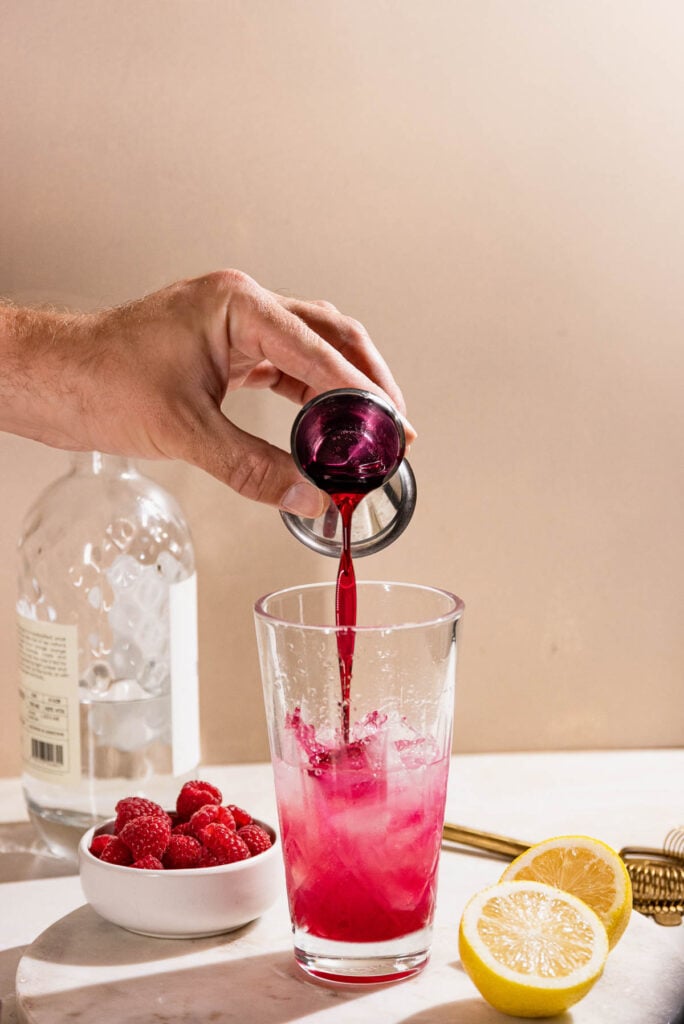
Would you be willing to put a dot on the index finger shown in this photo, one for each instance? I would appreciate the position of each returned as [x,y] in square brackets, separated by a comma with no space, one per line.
[351,339]
[264,328]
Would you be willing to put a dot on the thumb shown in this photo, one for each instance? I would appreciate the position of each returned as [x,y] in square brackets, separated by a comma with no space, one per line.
[255,469]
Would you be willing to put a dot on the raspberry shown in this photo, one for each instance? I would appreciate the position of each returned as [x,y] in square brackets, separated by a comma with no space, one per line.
[224,843]
[201,832]
[241,817]
[194,795]
[99,844]
[116,852]
[207,859]
[132,807]
[208,814]
[184,829]
[149,833]
[255,838]
[148,863]
[182,852]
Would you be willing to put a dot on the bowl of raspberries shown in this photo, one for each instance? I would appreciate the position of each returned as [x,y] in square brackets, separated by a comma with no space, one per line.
[203,868]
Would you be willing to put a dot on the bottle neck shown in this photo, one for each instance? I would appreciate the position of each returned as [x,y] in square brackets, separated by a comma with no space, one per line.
[99,464]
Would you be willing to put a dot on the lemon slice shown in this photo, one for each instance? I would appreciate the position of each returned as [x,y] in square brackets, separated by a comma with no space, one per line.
[585,867]
[531,950]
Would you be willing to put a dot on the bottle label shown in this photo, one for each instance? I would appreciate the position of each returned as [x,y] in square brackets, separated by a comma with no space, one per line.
[184,677]
[48,690]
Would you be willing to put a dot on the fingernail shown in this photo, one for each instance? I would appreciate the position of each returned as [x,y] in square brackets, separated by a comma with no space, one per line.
[409,429]
[303,500]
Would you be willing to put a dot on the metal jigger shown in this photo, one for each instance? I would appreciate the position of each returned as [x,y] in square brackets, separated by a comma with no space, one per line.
[385,512]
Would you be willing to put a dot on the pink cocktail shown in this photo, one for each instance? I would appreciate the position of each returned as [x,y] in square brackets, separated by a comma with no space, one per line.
[361,845]
[361,821]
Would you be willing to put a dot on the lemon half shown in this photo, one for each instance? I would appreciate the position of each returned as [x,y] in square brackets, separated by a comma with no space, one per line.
[531,949]
[585,867]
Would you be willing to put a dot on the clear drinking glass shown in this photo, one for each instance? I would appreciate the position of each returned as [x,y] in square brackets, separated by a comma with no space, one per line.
[360,822]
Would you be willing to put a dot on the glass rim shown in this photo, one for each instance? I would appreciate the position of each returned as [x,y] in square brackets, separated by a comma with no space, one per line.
[452,615]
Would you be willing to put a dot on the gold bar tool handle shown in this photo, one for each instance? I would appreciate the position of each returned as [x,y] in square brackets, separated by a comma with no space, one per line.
[489,841]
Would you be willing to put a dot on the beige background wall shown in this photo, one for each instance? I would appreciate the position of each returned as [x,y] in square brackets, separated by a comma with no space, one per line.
[496,190]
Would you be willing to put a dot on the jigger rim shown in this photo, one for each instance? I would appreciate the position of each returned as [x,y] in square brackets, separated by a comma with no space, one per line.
[326,396]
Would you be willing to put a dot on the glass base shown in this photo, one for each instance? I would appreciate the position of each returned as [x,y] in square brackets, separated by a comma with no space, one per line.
[362,963]
[61,831]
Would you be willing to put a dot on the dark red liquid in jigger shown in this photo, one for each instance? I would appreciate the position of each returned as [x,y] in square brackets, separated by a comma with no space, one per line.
[348,446]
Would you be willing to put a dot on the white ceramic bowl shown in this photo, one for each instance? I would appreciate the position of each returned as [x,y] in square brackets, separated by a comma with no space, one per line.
[182,903]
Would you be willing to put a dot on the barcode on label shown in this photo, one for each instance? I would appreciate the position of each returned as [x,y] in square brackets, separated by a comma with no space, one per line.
[52,753]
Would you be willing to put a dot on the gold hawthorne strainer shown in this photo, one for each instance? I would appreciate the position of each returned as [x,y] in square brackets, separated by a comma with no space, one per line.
[657,875]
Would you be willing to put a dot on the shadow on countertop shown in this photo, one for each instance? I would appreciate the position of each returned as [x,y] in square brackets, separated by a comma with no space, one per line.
[24,856]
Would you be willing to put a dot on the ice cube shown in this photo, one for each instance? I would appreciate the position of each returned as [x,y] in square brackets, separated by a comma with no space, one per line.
[126,659]
[126,689]
[152,637]
[124,617]
[415,753]
[155,678]
[150,590]
[95,597]
[128,719]
[123,572]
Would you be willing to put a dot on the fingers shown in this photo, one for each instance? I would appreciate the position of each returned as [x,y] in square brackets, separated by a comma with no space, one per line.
[351,340]
[252,467]
[314,346]
[265,375]
[265,329]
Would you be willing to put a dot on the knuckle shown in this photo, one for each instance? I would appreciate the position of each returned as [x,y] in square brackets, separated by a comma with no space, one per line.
[353,334]
[349,330]
[325,305]
[228,281]
[237,278]
[251,476]
[355,329]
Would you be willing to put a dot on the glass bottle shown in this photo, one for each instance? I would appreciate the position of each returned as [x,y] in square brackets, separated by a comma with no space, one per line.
[107,618]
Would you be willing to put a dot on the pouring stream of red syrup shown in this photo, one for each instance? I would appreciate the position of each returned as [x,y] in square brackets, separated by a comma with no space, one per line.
[345,604]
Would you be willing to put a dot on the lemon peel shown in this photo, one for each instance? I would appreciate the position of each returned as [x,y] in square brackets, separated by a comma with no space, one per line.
[585,867]
[532,950]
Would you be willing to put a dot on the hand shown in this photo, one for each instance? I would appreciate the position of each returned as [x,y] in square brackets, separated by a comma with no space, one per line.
[147,379]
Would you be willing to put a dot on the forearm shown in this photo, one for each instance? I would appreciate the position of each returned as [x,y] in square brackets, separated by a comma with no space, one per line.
[39,379]
[148,379]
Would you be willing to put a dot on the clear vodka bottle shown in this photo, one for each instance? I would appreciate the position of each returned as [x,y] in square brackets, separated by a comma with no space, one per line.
[107,618]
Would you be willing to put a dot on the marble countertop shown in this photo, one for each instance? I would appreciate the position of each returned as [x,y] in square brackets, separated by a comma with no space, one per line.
[70,965]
